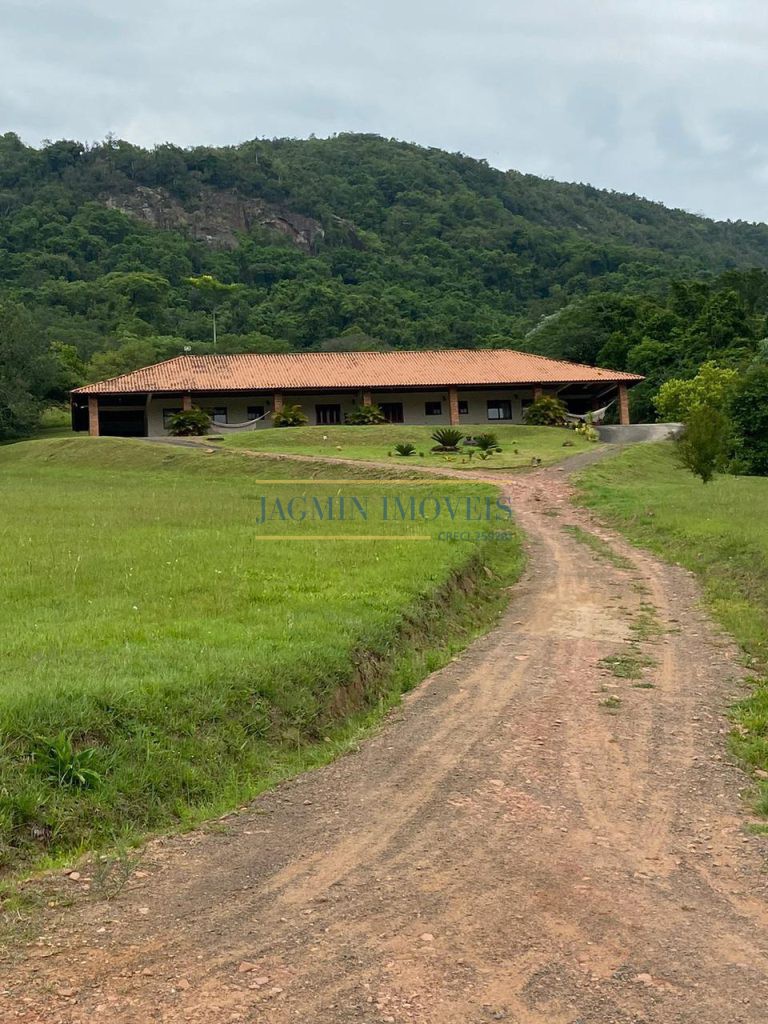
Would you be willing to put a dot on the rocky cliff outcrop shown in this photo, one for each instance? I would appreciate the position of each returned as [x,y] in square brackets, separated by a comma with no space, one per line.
[216,218]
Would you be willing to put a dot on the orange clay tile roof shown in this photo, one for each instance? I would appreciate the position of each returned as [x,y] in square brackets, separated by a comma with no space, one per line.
[303,371]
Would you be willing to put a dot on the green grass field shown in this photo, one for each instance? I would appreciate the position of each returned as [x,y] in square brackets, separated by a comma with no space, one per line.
[519,444]
[146,615]
[718,530]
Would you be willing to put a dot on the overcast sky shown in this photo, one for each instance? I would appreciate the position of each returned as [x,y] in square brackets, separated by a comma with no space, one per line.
[665,98]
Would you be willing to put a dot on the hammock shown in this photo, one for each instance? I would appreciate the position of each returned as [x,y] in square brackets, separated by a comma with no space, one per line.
[245,425]
[597,415]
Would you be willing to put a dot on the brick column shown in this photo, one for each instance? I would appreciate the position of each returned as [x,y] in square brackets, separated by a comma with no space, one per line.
[93,415]
[186,402]
[367,399]
[623,405]
[538,392]
[277,401]
[453,406]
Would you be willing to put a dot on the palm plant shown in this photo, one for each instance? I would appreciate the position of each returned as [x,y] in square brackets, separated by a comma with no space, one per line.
[405,449]
[487,443]
[447,439]
[289,416]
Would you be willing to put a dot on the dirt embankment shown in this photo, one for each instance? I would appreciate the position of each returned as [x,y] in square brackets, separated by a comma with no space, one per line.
[537,836]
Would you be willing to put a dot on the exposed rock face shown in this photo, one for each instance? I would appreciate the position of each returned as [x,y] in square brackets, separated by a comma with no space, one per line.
[216,218]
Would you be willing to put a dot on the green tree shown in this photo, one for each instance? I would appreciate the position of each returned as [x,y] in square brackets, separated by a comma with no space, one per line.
[213,292]
[361,235]
[29,373]
[140,293]
[70,370]
[749,413]
[131,355]
[712,386]
[703,445]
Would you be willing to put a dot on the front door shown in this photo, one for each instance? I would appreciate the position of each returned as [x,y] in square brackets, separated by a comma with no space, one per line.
[392,411]
[325,415]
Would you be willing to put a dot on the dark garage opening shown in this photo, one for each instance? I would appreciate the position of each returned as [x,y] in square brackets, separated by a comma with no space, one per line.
[121,423]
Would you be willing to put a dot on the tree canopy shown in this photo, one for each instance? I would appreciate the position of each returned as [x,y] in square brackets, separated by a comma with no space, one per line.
[119,256]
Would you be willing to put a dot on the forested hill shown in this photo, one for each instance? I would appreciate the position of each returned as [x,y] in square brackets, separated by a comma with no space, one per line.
[335,242]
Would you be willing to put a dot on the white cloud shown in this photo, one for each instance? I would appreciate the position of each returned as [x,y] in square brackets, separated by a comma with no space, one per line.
[666,98]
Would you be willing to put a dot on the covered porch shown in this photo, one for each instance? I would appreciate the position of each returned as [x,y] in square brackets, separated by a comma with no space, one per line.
[149,414]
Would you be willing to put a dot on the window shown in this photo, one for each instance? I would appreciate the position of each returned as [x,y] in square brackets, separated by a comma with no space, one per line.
[433,408]
[463,408]
[500,409]
[254,412]
[392,411]
[326,415]
[218,414]
[168,415]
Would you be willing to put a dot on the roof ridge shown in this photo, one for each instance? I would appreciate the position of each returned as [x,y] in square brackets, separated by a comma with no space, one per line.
[242,371]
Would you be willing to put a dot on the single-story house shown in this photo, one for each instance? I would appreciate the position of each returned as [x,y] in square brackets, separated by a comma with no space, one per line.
[448,386]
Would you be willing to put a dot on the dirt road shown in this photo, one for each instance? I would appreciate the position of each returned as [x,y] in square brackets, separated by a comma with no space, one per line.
[530,838]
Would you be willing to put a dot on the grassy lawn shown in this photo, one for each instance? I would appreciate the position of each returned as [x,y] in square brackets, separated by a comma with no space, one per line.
[146,616]
[720,531]
[520,445]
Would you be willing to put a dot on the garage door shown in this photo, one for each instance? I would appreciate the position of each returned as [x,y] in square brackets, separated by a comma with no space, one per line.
[121,423]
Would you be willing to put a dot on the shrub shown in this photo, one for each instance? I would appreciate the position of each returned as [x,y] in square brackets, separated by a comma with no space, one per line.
[586,430]
[749,413]
[703,445]
[447,439]
[487,443]
[405,449]
[546,412]
[361,415]
[290,416]
[189,423]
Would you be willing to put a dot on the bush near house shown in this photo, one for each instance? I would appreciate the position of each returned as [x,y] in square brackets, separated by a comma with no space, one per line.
[546,412]
[362,414]
[587,430]
[189,423]
[290,416]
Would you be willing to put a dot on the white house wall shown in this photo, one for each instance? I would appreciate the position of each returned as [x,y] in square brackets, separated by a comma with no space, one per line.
[413,403]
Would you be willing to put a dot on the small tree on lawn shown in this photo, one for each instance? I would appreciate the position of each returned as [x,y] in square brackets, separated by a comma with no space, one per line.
[703,445]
